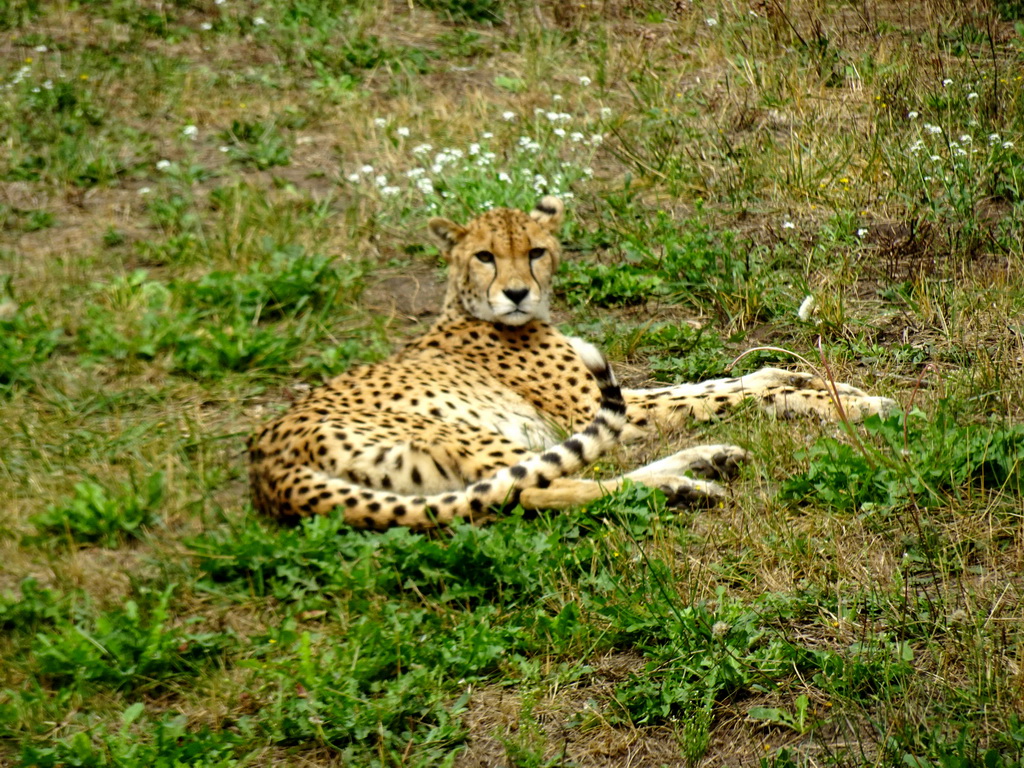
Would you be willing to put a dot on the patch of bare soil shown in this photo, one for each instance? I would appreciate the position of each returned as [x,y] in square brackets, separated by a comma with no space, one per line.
[570,726]
[415,293]
[567,726]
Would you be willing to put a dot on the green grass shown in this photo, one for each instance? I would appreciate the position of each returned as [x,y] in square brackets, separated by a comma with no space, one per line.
[205,207]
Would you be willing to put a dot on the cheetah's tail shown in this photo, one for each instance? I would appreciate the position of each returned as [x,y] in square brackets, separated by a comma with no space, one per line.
[370,508]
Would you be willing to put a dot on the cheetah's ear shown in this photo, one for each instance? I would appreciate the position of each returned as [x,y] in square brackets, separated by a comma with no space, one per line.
[448,232]
[549,213]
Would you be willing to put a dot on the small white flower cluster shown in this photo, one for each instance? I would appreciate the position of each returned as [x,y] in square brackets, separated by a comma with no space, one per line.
[554,117]
[18,76]
[46,85]
[953,159]
[441,172]
[379,180]
[993,139]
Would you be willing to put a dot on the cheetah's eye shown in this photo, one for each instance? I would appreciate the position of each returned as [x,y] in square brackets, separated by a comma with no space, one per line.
[537,253]
[485,256]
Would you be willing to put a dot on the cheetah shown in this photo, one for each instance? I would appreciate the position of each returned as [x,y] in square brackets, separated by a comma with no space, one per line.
[494,407]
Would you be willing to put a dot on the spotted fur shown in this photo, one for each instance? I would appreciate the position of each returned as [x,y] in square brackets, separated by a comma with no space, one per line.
[470,418]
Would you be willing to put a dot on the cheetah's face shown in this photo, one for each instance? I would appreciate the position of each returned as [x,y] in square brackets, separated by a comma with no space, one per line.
[501,263]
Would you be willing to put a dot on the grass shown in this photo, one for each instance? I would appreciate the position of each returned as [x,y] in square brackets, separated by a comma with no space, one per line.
[207,206]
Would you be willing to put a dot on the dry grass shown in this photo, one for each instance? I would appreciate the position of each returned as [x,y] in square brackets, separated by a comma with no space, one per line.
[785,123]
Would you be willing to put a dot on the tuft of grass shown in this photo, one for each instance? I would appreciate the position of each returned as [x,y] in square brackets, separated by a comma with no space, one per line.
[93,515]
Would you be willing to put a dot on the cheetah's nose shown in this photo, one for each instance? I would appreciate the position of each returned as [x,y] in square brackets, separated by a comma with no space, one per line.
[516,295]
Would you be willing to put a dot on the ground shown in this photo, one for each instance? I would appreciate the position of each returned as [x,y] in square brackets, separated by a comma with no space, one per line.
[207,207]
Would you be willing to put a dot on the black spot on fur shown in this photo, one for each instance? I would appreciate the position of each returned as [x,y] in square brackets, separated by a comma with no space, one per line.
[575,447]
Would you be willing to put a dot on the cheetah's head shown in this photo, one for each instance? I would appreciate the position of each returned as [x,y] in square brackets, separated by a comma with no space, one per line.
[500,265]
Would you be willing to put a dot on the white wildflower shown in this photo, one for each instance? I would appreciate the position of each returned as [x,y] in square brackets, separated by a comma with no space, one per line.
[206,26]
[425,185]
[711,21]
[486,135]
[806,309]
[145,191]
[560,132]
[259,21]
[40,49]
[366,170]
[1007,145]
[585,81]
[720,629]
[972,96]
[606,112]
[381,180]
[380,122]
[576,136]
[190,132]
[353,177]
[421,149]
[224,148]
[946,83]
[935,159]
[508,116]
[596,138]
[474,149]
[557,97]
[787,224]
[911,115]
[965,138]
[993,138]
[934,130]
[415,173]
[163,165]
[402,131]
[504,177]
[861,232]
[390,191]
